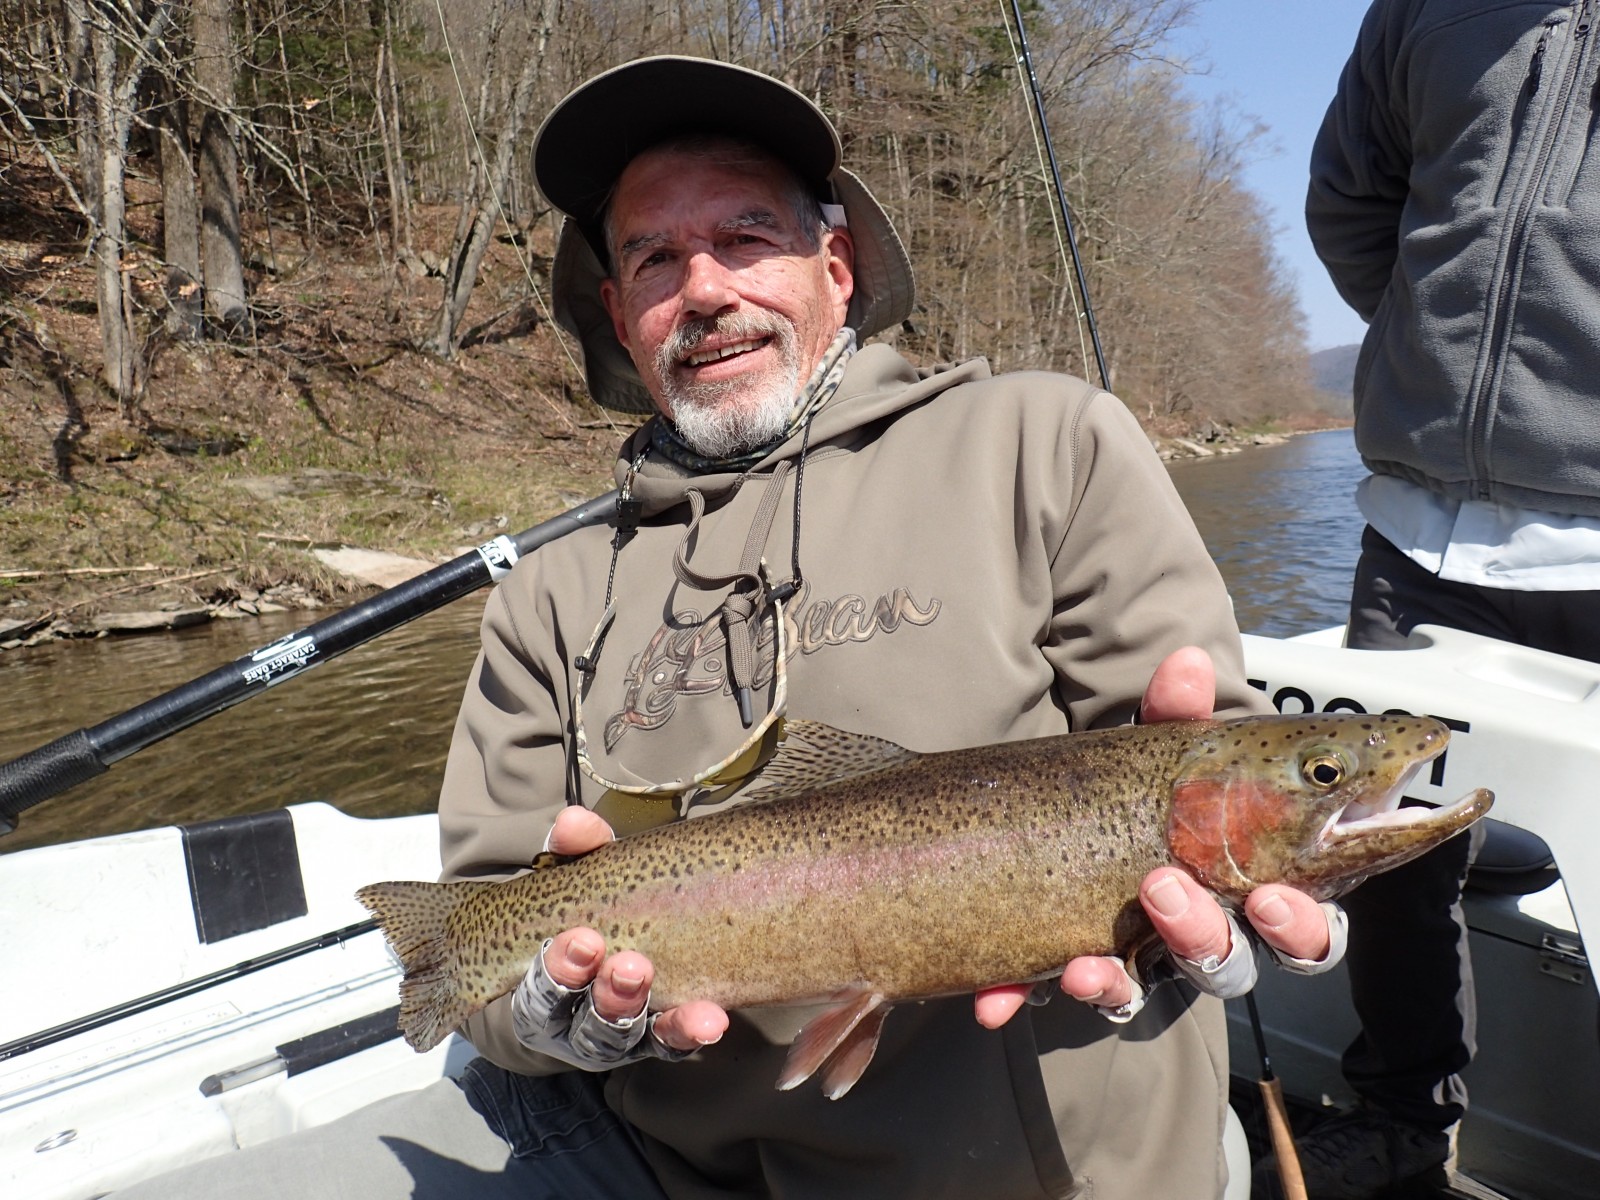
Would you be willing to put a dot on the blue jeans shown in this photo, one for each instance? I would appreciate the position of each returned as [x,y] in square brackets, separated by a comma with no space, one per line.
[559,1127]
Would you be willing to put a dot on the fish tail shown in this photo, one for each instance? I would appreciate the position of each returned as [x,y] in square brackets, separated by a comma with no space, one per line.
[414,917]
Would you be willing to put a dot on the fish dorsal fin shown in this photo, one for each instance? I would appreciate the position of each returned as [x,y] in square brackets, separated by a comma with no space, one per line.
[813,755]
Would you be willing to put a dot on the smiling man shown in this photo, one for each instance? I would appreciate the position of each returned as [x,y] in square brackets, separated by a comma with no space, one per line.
[812,528]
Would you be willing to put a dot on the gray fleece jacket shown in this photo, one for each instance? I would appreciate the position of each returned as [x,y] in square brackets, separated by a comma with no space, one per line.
[1455,200]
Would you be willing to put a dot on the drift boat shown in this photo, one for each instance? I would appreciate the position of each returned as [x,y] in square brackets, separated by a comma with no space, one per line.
[179,993]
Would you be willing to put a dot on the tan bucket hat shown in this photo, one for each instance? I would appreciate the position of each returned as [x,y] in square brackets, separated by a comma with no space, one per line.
[592,134]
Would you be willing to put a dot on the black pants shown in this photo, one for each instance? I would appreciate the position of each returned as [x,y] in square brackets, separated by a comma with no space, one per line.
[1410,974]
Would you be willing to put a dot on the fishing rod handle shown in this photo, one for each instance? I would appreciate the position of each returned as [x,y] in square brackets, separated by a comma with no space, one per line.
[40,774]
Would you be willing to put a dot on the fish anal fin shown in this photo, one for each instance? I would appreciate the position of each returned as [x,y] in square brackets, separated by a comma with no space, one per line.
[814,755]
[826,1033]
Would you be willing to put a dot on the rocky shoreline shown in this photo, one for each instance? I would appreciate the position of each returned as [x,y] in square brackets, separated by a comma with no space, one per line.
[365,571]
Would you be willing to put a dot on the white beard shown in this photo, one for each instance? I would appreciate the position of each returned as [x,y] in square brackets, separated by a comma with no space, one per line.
[724,419]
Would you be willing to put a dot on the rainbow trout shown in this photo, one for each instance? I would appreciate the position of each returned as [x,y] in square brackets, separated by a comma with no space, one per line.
[870,874]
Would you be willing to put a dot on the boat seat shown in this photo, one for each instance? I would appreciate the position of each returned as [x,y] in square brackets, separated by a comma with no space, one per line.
[1513,862]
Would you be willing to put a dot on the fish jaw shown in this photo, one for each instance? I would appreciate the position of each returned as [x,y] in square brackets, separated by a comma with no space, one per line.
[1353,847]
[1309,801]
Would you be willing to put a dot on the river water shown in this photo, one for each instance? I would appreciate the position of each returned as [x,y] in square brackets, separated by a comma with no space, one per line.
[369,730]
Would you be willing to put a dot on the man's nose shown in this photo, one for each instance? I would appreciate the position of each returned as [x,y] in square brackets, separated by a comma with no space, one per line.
[708,285]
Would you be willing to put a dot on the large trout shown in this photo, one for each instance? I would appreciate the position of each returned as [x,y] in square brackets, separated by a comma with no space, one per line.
[869,874]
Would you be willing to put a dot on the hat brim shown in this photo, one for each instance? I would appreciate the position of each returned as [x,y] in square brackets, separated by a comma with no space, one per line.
[592,134]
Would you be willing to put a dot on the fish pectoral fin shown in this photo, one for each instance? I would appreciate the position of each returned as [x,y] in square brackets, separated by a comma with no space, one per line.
[850,1030]
[814,755]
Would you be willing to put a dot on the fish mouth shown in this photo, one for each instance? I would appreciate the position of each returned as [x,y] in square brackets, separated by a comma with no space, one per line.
[1361,819]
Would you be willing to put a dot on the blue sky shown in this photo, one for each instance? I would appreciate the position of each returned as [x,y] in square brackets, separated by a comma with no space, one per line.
[1278,61]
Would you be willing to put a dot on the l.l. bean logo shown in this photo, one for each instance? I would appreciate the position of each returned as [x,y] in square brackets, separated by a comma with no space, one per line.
[1295,700]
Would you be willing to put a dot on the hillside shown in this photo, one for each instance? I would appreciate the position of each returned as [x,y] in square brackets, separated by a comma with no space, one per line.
[328,428]
[1333,371]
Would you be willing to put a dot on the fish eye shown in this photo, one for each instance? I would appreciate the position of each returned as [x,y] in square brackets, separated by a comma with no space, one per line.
[1324,769]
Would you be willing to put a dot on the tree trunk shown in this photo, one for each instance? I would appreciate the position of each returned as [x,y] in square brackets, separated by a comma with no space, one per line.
[219,168]
[105,143]
[180,215]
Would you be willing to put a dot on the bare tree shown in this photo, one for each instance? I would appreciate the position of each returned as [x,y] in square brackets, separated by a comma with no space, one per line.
[486,193]
[112,47]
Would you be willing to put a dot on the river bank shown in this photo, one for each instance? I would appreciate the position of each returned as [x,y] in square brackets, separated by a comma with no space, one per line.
[240,544]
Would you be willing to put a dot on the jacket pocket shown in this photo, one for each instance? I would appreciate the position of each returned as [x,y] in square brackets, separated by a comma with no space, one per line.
[1540,81]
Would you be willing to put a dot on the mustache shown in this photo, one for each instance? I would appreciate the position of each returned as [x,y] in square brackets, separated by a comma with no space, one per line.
[690,336]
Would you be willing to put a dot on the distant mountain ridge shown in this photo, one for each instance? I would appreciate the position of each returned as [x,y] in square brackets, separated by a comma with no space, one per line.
[1334,371]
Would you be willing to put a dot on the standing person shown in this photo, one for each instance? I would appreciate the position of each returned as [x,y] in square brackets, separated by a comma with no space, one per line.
[1455,200]
[949,559]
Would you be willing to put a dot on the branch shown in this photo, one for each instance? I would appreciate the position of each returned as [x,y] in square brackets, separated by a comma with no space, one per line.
[50,159]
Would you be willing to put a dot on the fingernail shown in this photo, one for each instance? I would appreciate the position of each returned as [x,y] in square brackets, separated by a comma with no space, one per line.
[626,985]
[1168,898]
[1273,912]
[580,956]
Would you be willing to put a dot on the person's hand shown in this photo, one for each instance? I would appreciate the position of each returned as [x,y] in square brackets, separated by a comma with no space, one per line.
[589,1009]
[1202,937]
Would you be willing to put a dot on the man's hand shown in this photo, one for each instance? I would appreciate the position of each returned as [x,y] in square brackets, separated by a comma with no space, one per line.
[618,986]
[1187,917]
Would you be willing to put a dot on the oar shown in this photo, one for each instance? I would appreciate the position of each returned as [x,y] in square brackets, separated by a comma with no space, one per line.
[85,753]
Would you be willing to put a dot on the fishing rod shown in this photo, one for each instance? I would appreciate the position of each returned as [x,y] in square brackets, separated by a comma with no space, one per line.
[1036,98]
[1283,1148]
[79,756]
[129,1008]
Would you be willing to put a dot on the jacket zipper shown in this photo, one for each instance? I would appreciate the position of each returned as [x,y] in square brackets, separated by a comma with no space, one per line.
[1522,202]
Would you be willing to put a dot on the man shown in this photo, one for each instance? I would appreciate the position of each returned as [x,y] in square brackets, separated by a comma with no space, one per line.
[947,559]
[1455,202]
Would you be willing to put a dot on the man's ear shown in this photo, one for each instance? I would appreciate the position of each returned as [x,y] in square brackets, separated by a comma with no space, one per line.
[611,297]
[839,258]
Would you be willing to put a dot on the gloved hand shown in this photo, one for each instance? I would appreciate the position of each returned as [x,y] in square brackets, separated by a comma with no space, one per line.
[591,1010]
[562,1022]
[1218,958]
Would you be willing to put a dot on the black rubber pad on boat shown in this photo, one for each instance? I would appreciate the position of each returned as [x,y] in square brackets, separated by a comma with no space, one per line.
[244,873]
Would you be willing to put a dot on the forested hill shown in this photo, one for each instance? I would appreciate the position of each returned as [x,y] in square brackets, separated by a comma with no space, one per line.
[1334,373]
[279,235]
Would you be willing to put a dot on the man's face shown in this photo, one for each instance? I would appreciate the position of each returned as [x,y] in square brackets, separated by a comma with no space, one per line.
[718,295]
